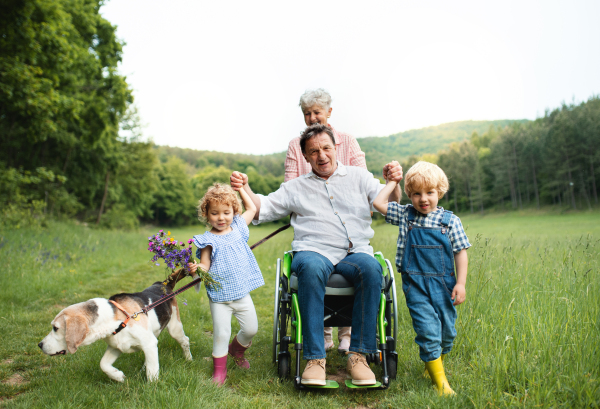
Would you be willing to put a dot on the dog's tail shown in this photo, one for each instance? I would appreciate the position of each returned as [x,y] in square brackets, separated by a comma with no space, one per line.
[175,277]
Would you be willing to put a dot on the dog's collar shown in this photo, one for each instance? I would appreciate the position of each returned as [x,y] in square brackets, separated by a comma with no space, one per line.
[124,323]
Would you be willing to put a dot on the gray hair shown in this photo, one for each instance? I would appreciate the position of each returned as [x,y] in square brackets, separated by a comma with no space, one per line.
[313,97]
[314,130]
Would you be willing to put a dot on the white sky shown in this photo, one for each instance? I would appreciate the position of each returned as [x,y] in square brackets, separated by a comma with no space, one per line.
[227,75]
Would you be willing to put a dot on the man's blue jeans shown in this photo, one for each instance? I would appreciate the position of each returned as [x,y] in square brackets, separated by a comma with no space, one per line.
[313,272]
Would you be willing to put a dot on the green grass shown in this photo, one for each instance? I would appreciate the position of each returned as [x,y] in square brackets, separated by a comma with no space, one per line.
[528,334]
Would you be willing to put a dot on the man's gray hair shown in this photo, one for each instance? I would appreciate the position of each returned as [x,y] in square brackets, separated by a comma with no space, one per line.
[314,130]
[313,97]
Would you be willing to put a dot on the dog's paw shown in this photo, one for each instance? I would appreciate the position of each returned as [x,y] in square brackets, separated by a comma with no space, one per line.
[116,375]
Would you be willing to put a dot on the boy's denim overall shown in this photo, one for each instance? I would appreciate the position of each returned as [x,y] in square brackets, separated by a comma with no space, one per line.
[427,281]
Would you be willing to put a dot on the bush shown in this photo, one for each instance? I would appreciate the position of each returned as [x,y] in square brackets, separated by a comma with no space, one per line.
[119,217]
[27,198]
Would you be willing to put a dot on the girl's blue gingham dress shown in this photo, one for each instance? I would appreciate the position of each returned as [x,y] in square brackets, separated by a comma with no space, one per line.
[232,263]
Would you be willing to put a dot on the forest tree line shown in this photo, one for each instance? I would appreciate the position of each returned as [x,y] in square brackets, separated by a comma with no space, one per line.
[69,131]
[552,161]
[71,145]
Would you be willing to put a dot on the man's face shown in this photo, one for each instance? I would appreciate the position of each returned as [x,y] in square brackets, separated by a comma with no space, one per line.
[321,154]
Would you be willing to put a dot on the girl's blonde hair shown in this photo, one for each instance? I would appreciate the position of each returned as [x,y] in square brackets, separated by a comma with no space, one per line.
[222,194]
[424,176]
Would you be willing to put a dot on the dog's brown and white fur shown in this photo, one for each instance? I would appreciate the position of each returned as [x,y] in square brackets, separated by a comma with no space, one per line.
[84,323]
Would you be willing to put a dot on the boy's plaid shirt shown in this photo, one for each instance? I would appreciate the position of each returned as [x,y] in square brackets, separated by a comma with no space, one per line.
[397,215]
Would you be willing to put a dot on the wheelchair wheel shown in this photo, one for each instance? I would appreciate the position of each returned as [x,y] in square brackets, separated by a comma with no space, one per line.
[283,366]
[276,312]
[392,365]
[394,310]
[283,359]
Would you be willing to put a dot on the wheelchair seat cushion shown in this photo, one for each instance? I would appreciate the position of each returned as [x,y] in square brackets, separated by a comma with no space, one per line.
[337,285]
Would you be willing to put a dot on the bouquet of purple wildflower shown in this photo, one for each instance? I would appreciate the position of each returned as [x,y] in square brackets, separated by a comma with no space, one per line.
[176,254]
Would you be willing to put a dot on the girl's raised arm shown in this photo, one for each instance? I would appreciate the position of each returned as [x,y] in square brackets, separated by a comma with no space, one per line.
[248,215]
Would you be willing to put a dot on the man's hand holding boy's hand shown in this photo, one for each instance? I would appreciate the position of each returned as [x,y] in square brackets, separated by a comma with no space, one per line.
[459,294]
[392,172]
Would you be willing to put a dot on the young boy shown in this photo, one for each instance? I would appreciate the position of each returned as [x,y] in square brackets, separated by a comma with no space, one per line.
[431,243]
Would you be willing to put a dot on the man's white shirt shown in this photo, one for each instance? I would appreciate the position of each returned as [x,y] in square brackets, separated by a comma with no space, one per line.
[329,214]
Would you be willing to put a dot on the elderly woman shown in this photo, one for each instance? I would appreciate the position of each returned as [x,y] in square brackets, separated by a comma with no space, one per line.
[316,108]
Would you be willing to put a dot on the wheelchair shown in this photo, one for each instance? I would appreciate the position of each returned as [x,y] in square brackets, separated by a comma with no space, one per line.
[339,300]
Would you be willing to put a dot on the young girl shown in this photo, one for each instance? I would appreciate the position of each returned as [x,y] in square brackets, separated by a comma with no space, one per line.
[224,251]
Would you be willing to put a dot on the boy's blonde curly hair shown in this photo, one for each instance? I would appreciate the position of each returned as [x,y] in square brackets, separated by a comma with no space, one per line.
[222,194]
[424,176]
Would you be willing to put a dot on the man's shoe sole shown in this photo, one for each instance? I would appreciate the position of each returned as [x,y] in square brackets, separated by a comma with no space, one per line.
[365,382]
[315,382]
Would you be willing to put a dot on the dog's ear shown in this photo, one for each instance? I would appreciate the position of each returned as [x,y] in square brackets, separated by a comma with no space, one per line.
[76,329]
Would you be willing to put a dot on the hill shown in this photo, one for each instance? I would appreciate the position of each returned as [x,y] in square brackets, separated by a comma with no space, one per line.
[379,150]
[399,146]
[195,159]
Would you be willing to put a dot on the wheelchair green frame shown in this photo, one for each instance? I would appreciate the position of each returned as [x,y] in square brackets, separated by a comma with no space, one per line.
[286,316]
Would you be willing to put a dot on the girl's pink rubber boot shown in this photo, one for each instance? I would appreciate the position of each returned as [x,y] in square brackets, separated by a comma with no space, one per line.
[236,350]
[220,370]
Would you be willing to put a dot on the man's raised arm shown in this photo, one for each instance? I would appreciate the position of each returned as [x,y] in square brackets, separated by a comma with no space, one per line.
[239,181]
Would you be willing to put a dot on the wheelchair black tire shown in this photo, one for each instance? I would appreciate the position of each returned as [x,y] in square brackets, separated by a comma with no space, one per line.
[277,307]
[391,361]
[283,366]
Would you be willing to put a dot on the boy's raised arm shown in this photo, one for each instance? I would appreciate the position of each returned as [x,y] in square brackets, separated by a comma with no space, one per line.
[381,201]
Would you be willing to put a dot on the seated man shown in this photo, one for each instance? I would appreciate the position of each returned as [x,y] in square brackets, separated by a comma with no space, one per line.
[331,217]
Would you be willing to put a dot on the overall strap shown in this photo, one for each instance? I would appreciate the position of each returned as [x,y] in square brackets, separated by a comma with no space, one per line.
[412,213]
[446,220]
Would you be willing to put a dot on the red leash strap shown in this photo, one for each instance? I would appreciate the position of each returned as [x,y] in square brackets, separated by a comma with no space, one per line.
[168,297]
[124,323]
[279,230]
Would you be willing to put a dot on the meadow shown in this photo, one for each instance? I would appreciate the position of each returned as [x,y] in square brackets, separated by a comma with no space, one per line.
[528,333]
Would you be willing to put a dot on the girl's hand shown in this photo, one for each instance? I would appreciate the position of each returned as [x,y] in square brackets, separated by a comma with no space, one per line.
[237,180]
[459,294]
[193,267]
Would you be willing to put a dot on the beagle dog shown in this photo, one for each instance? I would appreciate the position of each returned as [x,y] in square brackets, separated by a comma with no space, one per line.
[84,323]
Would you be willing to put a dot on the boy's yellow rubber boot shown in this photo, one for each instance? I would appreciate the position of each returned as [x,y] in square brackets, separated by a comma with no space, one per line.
[426,372]
[436,371]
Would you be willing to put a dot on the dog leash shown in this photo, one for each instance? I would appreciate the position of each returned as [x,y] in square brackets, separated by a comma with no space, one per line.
[124,323]
[279,230]
[182,289]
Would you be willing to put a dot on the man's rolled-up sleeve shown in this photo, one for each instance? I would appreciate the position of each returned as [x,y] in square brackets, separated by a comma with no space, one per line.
[274,206]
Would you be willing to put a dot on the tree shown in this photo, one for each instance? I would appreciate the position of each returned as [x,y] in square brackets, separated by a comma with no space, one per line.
[174,201]
[61,98]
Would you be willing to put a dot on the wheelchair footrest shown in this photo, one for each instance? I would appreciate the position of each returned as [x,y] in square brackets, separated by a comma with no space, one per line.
[329,384]
[350,385]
